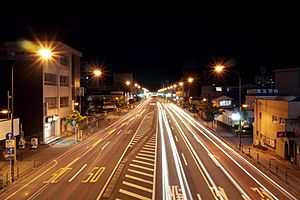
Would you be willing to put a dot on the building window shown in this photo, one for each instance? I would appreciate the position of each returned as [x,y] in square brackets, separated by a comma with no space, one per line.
[260,115]
[225,103]
[64,81]
[50,79]
[274,119]
[64,102]
[282,121]
[64,60]
[52,102]
[219,89]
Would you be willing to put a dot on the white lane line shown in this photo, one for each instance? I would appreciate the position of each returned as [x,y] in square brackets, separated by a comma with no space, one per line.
[142,162]
[55,163]
[184,159]
[105,145]
[77,173]
[151,146]
[119,132]
[137,186]
[139,172]
[147,151]
[176,138]
[199,197]
[172,128]
[141,167]
[147,155]
[133,194]
[143,158]
[138,179]
[122,156]
[150,149]
[155,159]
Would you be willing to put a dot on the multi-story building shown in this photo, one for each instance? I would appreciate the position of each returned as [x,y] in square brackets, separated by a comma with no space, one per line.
[44,91]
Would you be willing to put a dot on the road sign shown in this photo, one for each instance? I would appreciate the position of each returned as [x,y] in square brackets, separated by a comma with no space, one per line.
[10,151]
[74,122]
[9,136]
[216,117]
[9,143]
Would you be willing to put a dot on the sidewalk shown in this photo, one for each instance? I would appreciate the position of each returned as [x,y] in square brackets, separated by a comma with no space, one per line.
[279,169]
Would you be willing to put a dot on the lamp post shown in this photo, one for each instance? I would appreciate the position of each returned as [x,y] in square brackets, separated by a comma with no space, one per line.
[44,54]
[220,69]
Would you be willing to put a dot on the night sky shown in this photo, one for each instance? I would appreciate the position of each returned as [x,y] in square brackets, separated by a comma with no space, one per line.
[154,48]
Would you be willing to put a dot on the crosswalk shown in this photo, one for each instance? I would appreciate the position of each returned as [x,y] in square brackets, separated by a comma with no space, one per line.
[138,181]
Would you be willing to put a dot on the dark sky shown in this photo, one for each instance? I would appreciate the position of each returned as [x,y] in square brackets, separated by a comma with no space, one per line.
[155,47]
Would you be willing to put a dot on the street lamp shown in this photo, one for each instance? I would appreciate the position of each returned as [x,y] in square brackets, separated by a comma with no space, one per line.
[220,69]
[190,81]
[44,54]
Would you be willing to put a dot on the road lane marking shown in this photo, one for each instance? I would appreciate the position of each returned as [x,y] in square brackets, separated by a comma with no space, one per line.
[184,159]
[119,132]
[139,179]
[139,172]
[142,162]
[151,146]
[172,128]
[111,175]
[133,194]
[77,173]
[151,152]
[199,197]
[141,167]
[146,148]
[143,158]
[176,138]
[105,145]
[97,175]
[137,186]
[141,154]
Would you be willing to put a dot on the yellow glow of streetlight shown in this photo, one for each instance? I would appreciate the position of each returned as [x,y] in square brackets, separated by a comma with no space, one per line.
[4,111]
[97,72]
[136,85]
[45,53]
[204,99]
[139,87]
[174,85]
[127,83]
[245,106]
[219,68]
[76,103]
[181,83]
[190,80]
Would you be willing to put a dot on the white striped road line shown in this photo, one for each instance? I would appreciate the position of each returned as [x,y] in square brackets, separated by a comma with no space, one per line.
[77,172]
[138,179]
[176,138]
[119,132]
[151,146]
[199,197]
[139,172]
[130,145]
[141,167]
[137,186]
[147,155]
[147,152]
[143,158]
[172,128]
[151,143]
[142,162]
[184,159]
[133,194]
[150,149]
[105,145]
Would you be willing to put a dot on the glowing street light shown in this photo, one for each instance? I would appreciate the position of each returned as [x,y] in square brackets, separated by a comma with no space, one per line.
[127,83]
[219,68]
[190,80]
[45,53]
[180,84]
[97,72]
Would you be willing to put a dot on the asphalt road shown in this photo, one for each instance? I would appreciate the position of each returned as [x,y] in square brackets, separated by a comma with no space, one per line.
[156,151]
[83,171]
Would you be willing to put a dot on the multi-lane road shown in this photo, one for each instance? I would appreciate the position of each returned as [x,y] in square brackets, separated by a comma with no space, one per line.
[156,151]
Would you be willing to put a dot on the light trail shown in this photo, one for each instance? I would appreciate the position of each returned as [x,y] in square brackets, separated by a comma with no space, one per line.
[193,122]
